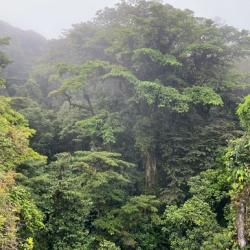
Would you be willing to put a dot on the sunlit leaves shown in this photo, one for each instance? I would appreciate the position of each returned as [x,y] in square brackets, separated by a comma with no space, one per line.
[14,149]
[162,97]
[243,112]
[104,126]
[189,225]
[14,135]
[203,95]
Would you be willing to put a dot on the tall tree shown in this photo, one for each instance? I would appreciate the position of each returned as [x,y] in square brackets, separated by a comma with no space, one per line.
[167,74]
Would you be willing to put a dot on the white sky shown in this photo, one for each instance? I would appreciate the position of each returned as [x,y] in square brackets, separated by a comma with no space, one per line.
[51,17]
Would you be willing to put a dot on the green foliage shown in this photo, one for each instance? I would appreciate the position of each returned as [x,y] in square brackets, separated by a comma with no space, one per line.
[203,95]
[30,217]
[135,224]
[121,73]
[16,205]
[237,154]
[103,126]
[219,192]
[160,71]
[154,84]
[189,226]
[28,245]
[107,245]
[80,75]
[156,56]
[4,60]
[76,190]
[243,112]
[163,97]
[8,217]
[14,135]
[211,186]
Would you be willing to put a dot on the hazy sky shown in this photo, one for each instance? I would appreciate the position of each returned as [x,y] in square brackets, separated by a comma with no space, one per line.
[51,17]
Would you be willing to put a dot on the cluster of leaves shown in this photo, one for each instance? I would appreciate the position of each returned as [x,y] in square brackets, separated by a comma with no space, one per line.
[74,191]
[18,212]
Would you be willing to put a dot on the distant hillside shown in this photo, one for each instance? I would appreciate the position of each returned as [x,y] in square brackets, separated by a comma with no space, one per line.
[25,50]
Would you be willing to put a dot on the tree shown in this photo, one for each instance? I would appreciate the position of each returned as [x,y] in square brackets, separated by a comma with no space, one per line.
[14,148]
[237,159]
[189,226]
[135,225]
[134,111]
[219,197]
[4,60]
[77,189]
[162,70]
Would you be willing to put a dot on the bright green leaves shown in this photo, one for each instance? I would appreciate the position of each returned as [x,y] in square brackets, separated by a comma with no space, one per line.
[15,202]
[168,97]
[237,161]
[237,154]
[104,126]
[243,112]
[223,188]
[155,94]
[135,224]
[141,204]
[101,159]
[190,225]
[203,95]
[76,190]
[211,186]
[191,213]
[152,93]
[121,73]
[31,218]
[107,245]
[14,135]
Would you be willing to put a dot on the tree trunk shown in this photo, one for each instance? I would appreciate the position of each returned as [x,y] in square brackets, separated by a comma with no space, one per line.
[240,223]
[150,170]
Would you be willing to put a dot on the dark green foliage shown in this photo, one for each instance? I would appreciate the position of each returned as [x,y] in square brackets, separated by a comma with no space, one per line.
[164,74]
[243,113]
[76,190]
[135,225]
[134,111]
[210,218]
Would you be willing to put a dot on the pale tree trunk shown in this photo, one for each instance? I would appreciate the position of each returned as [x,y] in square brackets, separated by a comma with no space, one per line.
[150,170]
[241,223]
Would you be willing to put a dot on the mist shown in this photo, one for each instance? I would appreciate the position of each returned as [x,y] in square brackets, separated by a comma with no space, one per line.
[51,17]
[125,128]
